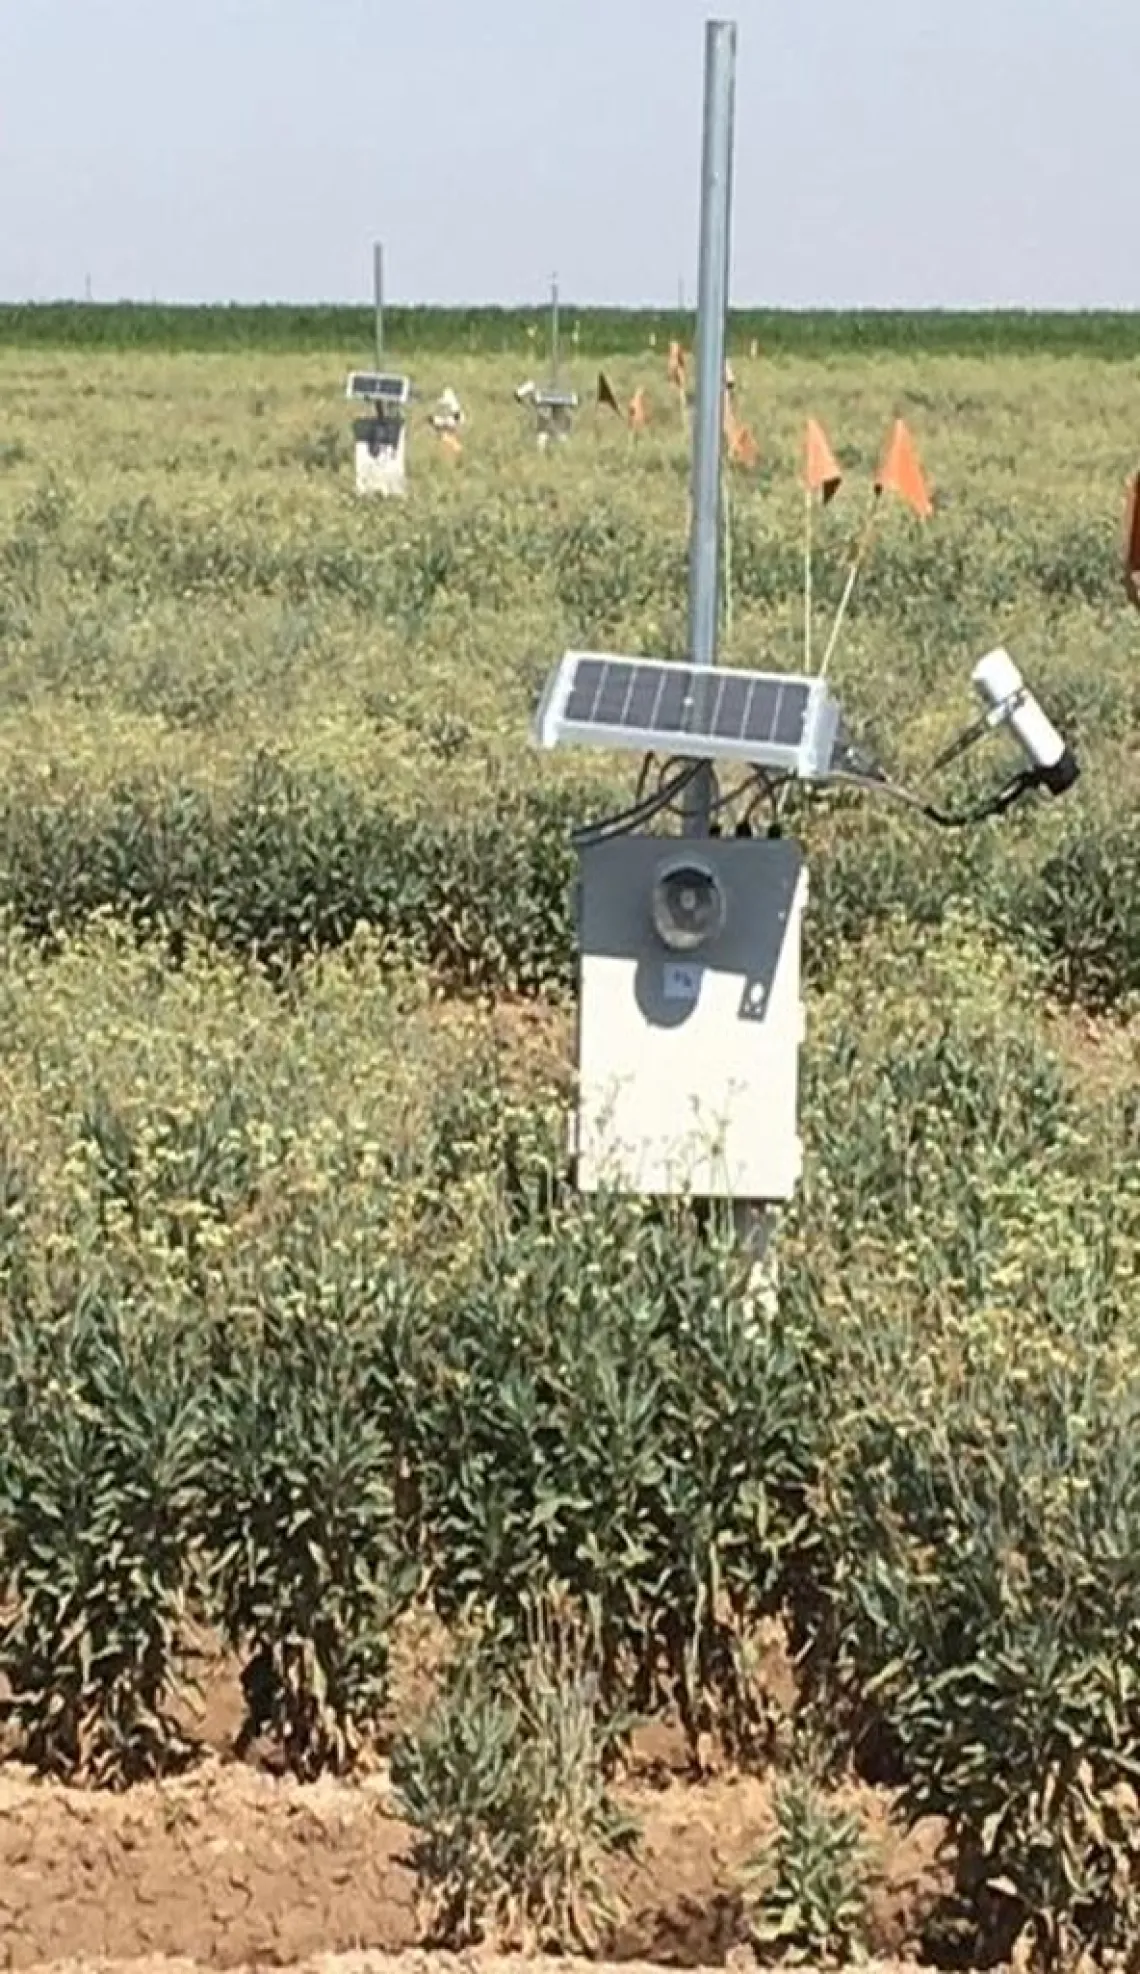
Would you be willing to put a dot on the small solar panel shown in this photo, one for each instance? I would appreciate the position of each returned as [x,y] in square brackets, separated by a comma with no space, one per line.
[375,384]
[768,719]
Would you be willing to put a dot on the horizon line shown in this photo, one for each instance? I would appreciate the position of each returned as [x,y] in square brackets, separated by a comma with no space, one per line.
[542,307]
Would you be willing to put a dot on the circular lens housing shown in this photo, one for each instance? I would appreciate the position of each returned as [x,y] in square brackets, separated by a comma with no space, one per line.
[688,905]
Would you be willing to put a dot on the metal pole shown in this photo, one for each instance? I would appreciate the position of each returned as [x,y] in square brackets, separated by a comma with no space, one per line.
[378,296]
[753,1223]
[554,353]
[712,309]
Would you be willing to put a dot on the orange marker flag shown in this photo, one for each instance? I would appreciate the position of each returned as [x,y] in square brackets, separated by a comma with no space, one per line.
[739,442]
[821,468]
[675,369]
[742,447]
[1132,541]
[638,413]
[900,471]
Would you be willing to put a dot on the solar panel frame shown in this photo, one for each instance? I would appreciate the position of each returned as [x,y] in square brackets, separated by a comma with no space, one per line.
[780,720]
[378,386]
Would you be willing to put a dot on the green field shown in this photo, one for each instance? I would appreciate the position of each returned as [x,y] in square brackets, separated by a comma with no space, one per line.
[301,1321]
[594,331]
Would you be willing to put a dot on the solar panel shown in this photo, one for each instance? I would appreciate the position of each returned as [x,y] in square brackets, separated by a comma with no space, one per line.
[768,719]
[373,384]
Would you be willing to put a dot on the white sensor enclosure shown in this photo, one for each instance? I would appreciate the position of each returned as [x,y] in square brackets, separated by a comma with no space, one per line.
[688,1057]
[997,679]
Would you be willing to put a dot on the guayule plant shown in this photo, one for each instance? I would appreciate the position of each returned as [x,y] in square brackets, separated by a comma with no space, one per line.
[986,1543]
[806,1893]
[290,865]
[306,1572]
[600,1412]
[504,1785]
[100,1468]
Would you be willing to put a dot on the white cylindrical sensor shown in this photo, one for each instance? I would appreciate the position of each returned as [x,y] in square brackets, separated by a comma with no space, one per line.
[997,679]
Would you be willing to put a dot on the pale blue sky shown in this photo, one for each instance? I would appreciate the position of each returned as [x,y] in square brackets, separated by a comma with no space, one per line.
[889,152]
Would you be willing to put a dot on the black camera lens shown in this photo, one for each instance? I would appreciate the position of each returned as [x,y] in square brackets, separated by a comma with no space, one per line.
[688,905]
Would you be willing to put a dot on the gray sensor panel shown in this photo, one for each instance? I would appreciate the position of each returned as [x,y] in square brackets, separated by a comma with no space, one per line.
[777,720]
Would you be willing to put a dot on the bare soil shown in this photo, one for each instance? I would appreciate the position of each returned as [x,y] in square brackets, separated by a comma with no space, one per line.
[233,1866]
[366,1961]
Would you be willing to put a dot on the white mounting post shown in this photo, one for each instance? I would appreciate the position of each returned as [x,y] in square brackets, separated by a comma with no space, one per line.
[380,452]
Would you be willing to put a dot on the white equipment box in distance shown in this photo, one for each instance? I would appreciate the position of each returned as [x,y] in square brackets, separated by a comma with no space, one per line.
[381,456]
[380,441]
[689,1062]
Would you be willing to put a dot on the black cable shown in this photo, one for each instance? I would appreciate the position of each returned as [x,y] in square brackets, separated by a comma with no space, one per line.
[767,790]
[669,796]
[992,805]
[645,807]
[623,820]
[734,794]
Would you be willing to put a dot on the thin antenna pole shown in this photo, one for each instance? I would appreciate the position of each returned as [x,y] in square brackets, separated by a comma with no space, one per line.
[727,562]
[808,515]
[378,298]
[712,309]
[857,561]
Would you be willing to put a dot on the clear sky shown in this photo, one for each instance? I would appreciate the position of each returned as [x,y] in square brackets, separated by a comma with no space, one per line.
[889,152]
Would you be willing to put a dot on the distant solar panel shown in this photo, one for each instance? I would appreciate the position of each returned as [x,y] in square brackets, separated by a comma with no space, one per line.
[375,384]
[768,719]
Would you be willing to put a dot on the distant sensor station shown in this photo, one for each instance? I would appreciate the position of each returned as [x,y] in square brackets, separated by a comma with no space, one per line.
[380,441]
[553,403]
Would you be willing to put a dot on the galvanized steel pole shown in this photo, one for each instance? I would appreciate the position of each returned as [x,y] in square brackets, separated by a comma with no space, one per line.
[554,349]
[708,424]
[378,298]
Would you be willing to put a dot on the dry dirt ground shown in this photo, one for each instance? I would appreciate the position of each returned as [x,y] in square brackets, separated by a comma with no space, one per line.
[234,1866]
[365,1961]
[230,1866]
